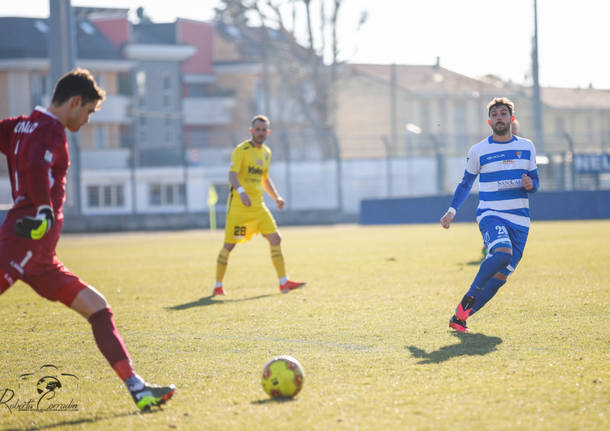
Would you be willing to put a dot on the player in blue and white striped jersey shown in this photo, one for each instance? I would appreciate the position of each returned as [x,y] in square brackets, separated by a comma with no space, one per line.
[506,166]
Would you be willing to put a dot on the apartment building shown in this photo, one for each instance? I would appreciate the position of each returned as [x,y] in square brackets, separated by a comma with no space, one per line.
[180,96]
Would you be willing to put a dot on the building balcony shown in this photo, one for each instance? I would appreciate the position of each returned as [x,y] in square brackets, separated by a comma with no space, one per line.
[115,109]
[207,111]
[105,160]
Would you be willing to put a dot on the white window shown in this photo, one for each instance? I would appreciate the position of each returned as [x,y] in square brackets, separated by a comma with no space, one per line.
[106,196]
[93,196]
[166,195]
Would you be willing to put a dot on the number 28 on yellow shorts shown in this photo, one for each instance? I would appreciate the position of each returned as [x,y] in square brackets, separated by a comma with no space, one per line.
[242,224]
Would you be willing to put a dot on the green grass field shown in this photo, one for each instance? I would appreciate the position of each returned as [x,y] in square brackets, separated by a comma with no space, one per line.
[370,329]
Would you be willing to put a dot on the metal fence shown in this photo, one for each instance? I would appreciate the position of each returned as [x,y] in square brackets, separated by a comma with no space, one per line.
[310,170]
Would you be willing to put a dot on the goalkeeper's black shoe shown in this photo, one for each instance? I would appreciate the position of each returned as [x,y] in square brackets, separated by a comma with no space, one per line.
[458,325]
[152,395]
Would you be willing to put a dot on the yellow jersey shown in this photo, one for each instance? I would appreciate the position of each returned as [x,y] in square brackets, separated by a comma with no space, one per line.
[252,166]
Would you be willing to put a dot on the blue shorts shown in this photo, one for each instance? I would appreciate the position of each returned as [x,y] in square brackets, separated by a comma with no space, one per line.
[498,232]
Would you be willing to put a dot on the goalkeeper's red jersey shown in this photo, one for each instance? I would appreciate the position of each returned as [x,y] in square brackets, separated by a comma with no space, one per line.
[36,151]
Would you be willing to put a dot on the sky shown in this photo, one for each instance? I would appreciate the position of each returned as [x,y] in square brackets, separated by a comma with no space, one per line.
[472,37]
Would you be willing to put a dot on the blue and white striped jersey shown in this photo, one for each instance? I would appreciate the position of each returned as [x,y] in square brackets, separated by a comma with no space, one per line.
[500,166]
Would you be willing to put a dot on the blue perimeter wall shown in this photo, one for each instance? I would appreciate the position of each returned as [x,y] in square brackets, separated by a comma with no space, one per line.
[576,205]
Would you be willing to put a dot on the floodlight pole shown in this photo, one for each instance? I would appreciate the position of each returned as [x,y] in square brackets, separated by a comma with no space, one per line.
[537,99]
[62,55]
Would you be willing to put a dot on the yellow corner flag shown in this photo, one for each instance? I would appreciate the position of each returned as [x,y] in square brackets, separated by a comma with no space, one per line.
[212,200]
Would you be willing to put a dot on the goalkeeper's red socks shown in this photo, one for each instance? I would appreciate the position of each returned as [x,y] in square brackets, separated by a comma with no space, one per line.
[110,343]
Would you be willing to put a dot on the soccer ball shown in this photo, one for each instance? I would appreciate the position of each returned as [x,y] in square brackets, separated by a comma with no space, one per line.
[283,377]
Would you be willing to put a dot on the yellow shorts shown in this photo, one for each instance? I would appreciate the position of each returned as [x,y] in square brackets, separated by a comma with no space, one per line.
[243,223]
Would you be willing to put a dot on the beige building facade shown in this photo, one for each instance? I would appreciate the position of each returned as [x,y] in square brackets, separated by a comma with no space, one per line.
[411,110]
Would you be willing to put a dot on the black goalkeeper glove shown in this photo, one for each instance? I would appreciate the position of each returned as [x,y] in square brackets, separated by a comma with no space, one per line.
[36,227]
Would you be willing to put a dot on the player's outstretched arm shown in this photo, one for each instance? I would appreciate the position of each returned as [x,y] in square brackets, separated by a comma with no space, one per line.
[36,227]
[448,218]
[461,193]
[272,191]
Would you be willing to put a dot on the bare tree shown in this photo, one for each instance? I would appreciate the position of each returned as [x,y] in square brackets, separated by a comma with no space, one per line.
[277,28]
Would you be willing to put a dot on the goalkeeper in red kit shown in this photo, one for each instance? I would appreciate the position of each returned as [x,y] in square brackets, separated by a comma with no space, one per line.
[37,155]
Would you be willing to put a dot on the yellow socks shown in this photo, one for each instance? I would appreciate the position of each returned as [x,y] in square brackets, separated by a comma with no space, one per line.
[221,264]
[276,258]
[278,261]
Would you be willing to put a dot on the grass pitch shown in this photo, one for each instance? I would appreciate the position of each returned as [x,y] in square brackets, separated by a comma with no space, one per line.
[370,329]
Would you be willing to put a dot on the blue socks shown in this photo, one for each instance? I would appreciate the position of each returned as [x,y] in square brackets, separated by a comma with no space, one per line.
[494,263]
[490,289]
[484,286]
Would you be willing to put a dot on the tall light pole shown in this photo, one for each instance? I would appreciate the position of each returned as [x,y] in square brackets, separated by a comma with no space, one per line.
[62,59]
[539,133]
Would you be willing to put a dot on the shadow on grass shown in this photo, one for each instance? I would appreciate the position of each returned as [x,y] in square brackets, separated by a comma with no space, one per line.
[212,300]
[273,400]
[81,421]
[475,262]
[470,345]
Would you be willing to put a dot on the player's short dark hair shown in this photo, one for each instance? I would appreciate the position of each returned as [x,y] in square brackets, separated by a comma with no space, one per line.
[77,82]
[260,118]
[501,101]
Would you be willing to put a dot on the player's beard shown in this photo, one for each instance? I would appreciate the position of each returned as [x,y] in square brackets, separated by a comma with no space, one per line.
[258,141]
[502,130]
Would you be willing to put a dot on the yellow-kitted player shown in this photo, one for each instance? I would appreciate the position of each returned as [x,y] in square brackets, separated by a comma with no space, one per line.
[247,214]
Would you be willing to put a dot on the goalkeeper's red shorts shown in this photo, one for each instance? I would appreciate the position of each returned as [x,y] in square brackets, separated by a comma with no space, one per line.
[34,262]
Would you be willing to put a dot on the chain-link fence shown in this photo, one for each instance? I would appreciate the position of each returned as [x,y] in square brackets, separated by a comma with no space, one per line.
[309,169]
